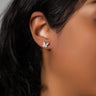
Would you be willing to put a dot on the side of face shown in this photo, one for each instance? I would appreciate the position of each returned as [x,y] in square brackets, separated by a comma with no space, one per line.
[74,52]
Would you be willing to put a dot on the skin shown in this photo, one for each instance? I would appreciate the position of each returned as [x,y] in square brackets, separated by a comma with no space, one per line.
[69,68]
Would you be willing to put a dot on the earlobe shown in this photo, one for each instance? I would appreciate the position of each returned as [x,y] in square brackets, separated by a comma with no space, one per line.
[40,29]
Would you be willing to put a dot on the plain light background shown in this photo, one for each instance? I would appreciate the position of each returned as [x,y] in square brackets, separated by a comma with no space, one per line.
[3,5]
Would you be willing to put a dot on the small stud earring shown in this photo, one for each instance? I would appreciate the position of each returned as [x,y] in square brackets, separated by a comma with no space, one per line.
[45,45]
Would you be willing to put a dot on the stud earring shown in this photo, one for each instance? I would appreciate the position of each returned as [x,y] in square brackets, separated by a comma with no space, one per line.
[45,45]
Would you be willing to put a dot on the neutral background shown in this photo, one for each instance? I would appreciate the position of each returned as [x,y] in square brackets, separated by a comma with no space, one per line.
[3,4]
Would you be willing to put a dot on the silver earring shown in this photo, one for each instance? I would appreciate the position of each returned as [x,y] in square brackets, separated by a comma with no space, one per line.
[45,45]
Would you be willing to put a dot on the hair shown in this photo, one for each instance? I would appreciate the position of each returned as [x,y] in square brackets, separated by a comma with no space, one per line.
[20,56]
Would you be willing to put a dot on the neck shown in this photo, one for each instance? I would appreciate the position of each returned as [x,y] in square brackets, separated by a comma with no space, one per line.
[55,86]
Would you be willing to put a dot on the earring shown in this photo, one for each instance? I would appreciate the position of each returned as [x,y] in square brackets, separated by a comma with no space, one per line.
[45,45]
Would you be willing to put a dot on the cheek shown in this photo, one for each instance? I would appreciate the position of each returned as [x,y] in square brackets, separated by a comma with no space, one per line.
[75,54]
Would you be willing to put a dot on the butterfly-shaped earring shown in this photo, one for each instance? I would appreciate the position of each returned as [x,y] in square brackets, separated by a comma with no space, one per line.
[45,45]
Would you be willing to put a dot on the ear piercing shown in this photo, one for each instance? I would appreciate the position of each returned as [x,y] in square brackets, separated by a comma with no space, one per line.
[45,44]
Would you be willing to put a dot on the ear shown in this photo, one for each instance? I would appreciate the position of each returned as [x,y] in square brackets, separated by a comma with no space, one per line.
[40,29]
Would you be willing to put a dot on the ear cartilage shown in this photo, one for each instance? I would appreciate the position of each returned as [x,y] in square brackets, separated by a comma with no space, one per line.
[43,34]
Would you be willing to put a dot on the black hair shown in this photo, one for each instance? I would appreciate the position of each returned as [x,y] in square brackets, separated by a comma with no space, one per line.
[20,56]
